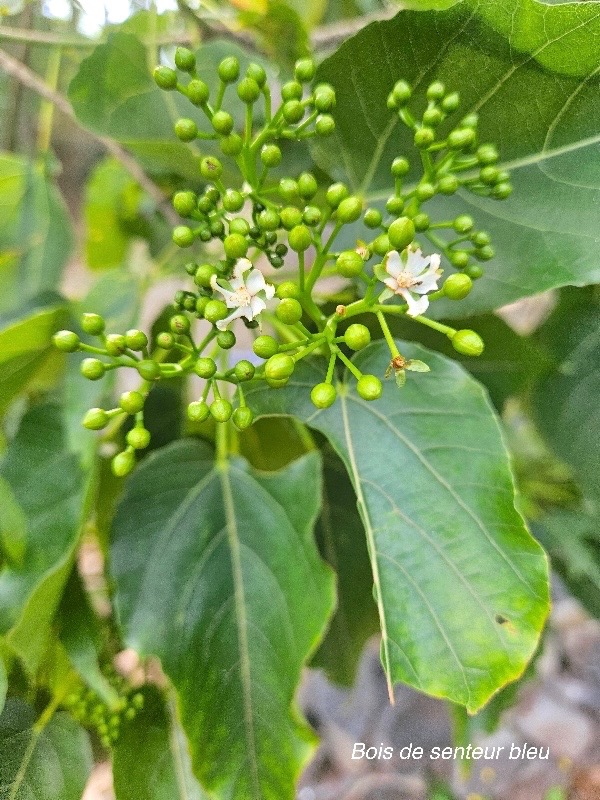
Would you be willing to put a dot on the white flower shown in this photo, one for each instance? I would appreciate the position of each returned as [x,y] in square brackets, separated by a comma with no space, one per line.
[246,293]
[411,277]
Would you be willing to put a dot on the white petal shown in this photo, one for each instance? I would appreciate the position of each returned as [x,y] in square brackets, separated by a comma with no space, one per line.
[242,266]
[239,312]
[416,262]
[269,290]
[427,282]
[435,261]
[385,295]
[391,283]
[415,307]
[255,281]
[225,292]
[256,306]
[393,264]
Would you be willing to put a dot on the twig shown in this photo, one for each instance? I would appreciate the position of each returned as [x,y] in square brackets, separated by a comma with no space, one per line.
[57,39]
[29,78]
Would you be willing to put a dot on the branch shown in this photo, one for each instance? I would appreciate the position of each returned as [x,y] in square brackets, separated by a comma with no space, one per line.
[29,78]
[58,40]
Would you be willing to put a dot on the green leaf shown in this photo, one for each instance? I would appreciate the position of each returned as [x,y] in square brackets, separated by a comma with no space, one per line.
[106,240]
[216,573]
[25,347]
[46,762]
[513,63]
[46,484]
[461,586]
[281,31]
[3,684]
[151,758]
[35,232]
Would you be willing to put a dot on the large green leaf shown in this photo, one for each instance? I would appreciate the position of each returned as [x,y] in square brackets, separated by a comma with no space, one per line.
[3,684]
[217,573]
[151,759]
[35,232]
[461,586]
[50,762]
[44,485]
[513,63]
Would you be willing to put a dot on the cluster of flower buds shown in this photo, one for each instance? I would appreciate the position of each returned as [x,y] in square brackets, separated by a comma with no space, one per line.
[93,712]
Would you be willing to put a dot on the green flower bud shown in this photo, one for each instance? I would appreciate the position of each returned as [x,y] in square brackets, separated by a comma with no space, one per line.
[197,92]
[265,346]
[293,111]
[457,286]
[304,70]
[95,419]
[248,90]
[300,238]
[135,339]
[92,324]
[401,92]
[138,438]
[183,236]
[289,311]
[229,69]
[335,194]
[468,343]
[201,303]
[288,189]
[487,154]
[312,216]
[165,78]
[369,387]
[236,246]
[324,125]
[425,191]
[231,145]
[277,383]
[421,222]
[323,395]
[123,463]
[372,218]
[205,367]
[424,136]
[221,409]
[115,344]
[215,310]
[485,253]
[381,245]
[270,155]
[436,91]
[287,289]
[400,167]
[489,175]
[290,217]
[480,239]
[501,191]
[292,90]
[148,370]
[226,340]
[401,233]
[179,324]
[357,336]
[184,203]
[461,138]
[186,129]
[66,341]
[185,60]
[463,223]
[243,418]
[349,210]
[307,185]
[198,411]
[239,226]
[432,117]
[257,73]
[92,369]
[459,259]
[165,340]
[222,122]
[233,200]
[244,370]
[269,220]
[474,271]
[470,121]
[394,205]
[349,263]
[451,102]
[448,184]
[279,366]
[324,97]
[131,402]
[204,275]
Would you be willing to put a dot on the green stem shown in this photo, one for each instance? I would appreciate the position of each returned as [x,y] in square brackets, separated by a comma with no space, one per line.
[437,326]
[388,335]
[353,369]
[330,368]
[301,271]
[222,444]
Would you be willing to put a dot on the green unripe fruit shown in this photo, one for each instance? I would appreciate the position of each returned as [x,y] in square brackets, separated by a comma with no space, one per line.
[307,185]
[470,121]
[92,369]
[312,216]
[425,191]
[185,60]
[165,78]
[400,167]
[211,168]
[131,402]
[204,275]
[369,387]
[451,102]
[138,438]
[248,90]
[468,343]
[459,259]
[349,210]
[201,304]
[401,233]
[115,344]
[148,370]
[324,97]
[292,90]
[489,175]
[480,239]
[349,263]
[304,70]
[290,217]
[226,339]
[323,395]
[279,366]
[257,73]
[293,111]
[432,117]
[474,271]
[95,419]
[236,245]
[186,130]
[335,194]
[179,324]
[501,191]
[135,339]
[233,200]
[239,226]
[372,218]
[229,69]
[288,189]
[269,220]
[357,336]
[270,155]
[205,367]
[461,138]
[183,236]
[197,92]
[324,125]
[222,122]
[421,222]
[265,346]
[394,205]
[122,464]
[66,341]
[287,289]
[184,203]
[215,310]
[487,154]
[503,176]
[436,91]
[300,238]
[231,145]
[463,223]
[448,184]
[381,245]
[424,137]
[244,370]
[221,409]
[289,311]
[243,418]
[198,411]
[401,92]
[92,324]
[165,340]
[458,286]
[485,253]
